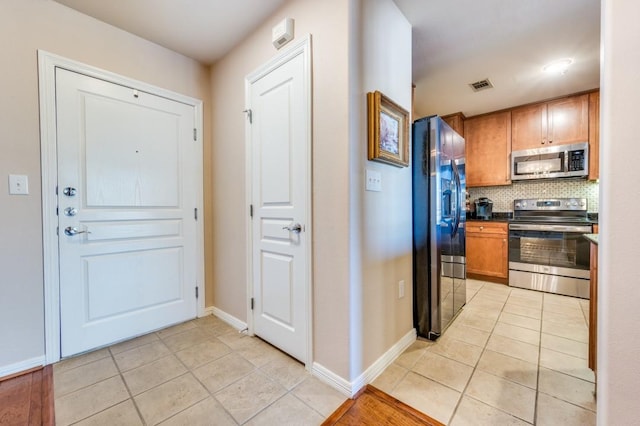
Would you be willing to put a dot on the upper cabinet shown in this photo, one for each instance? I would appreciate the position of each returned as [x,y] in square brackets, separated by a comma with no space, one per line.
[563,121]
[456,122]
[488,149]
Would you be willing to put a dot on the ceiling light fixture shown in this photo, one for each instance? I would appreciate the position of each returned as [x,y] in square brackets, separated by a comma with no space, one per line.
[559,66]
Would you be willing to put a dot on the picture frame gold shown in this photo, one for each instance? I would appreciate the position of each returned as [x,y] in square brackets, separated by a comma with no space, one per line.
[388,130]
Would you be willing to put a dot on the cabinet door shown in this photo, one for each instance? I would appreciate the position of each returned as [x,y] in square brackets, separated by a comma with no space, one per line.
[488,149]
[568,120]
[487,254]
[529,127]
[456,122]
[594,135]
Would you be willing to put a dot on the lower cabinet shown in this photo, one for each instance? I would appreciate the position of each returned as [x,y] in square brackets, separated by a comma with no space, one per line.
[487,250]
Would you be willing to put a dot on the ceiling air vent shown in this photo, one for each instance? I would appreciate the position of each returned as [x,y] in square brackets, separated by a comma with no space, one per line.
[481,85]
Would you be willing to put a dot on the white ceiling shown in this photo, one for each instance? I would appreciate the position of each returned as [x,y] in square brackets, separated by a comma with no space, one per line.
[455,42]
[204,30]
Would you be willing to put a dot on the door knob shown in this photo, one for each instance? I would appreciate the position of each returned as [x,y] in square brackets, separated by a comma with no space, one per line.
[294,227]
[71,231]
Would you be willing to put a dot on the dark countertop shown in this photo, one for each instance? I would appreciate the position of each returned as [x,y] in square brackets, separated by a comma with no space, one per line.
[592,237]
[508,217]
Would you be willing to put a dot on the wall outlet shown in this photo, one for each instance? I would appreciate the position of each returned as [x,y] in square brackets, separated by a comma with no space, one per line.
[374,180]
[400,289]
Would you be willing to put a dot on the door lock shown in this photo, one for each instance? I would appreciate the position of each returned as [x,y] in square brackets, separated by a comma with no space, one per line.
[69,191]
[70,211]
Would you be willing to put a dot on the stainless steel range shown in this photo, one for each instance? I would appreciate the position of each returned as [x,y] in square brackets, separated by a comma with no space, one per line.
[546,249]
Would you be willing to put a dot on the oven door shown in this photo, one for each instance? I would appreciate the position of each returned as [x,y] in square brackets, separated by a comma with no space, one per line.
[552,258]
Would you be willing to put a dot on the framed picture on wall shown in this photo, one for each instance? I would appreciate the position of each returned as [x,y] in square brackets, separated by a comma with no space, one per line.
[388,125]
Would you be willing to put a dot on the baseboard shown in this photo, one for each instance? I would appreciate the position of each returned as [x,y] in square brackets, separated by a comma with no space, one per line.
[229,319]
[375,369]
[332,379]
[27,364]
[370,374]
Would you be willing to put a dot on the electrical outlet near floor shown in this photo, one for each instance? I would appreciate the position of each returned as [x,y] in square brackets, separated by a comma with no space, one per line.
[400,289]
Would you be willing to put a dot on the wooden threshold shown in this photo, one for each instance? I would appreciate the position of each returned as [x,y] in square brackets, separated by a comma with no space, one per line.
[371,406]
[27,399]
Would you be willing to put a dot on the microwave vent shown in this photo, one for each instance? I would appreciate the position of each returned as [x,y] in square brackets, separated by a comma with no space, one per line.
[481,85]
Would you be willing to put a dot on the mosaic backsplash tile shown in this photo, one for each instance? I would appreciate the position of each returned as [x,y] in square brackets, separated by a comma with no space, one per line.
[503,196]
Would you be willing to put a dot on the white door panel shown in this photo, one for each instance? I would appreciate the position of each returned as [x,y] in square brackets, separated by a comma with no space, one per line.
[131,164]
[280,147]
[131,158]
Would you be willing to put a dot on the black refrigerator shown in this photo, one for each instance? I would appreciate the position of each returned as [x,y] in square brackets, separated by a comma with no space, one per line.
[439,222]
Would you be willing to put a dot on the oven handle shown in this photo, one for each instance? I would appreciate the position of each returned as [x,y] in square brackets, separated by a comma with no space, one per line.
[550,228]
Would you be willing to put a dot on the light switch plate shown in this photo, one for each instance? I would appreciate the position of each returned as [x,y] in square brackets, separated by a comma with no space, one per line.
[374,180]
[18,185]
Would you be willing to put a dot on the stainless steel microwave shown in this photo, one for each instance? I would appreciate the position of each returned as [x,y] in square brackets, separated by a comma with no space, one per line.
[560,161]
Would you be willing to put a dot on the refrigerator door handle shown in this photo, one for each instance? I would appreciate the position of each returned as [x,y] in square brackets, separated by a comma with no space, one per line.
[457,198]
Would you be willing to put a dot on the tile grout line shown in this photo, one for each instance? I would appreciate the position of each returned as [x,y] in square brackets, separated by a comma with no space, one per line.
[200,382]
[133,401]
[484,349]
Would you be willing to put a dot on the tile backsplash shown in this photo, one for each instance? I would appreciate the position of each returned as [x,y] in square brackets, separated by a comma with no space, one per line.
[503,196]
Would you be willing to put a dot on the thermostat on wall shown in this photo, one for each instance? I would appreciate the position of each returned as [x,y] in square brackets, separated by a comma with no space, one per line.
[282,33]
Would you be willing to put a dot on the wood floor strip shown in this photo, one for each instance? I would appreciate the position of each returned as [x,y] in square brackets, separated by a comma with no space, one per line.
[371,406]
[27,399]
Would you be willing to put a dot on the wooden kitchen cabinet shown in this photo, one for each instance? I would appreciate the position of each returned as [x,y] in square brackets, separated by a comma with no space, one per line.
[487,250]
[456,122]
[594,135]
[488,145]
[559,122]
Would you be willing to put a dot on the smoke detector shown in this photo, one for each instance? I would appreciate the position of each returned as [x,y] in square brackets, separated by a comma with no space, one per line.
[282,33]
[481,85]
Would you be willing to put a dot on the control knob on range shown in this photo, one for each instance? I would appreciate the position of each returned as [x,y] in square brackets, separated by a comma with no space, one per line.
[517,205]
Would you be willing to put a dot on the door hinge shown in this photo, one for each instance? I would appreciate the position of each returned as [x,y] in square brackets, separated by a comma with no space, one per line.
[249,115]
[252,303]
[57,212]
[57,230]
[195,213]
[195,134]
[196,292]
[251,210]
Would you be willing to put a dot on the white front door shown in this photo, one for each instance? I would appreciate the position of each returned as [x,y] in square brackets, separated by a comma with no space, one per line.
[278,98]
[126,218]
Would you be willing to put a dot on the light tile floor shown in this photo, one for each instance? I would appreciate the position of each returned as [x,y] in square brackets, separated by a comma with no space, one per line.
[512,357]
[202,372]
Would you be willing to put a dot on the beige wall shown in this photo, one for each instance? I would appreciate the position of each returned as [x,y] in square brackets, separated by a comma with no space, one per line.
[362,240]
[381,246]
[25,26]
[327,21]
[619,294]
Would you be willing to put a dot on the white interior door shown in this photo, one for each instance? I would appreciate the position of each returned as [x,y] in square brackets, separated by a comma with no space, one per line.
[280,146]
[126,199]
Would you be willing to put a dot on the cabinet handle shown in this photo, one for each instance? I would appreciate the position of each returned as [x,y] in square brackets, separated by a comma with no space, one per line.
[481,228]
[543,141]
[550,141]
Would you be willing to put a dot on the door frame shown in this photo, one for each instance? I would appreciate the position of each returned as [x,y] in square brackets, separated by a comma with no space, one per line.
[301,47]
[47,64]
